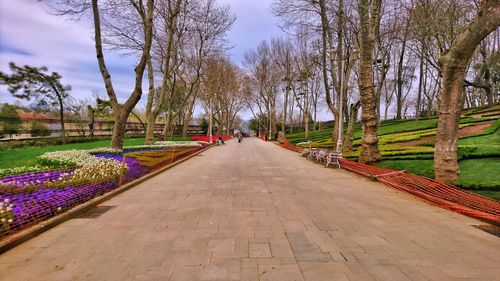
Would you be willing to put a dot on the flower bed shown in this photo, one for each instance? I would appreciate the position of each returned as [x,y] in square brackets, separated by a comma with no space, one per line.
[77,176]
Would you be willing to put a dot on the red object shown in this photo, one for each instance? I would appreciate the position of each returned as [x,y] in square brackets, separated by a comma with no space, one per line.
[432,191]
[33,116]
[207,138]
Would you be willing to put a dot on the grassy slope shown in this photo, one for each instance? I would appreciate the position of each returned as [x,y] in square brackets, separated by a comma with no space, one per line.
[480,173]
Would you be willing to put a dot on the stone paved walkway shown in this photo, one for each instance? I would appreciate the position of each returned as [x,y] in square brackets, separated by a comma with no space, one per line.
[254,211]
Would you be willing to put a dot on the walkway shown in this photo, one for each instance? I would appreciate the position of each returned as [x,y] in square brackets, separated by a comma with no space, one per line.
[254,211]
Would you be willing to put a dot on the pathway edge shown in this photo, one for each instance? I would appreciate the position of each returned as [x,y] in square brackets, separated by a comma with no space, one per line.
[37,229]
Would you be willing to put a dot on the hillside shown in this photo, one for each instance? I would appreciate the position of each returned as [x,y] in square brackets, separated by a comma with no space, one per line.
[409,145]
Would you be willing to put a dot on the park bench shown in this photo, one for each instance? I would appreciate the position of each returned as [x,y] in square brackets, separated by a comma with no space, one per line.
[321,155]
[305,152]
[312,153]
[333,158]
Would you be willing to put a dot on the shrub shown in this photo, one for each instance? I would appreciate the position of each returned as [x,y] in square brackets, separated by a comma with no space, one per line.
[475,185]
[9,120]
[490,130]
[465,150]
[39,130]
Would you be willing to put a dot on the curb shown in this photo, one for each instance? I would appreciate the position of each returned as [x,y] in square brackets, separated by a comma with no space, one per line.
[35,230]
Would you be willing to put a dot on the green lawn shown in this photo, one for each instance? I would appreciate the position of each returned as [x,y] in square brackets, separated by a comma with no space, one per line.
[490,194]
[26,156]
[481,173]
[476,174]
[486,145]
[480,155]
[419,167]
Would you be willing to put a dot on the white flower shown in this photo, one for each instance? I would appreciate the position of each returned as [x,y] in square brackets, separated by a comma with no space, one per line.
[6,200]
[10,221]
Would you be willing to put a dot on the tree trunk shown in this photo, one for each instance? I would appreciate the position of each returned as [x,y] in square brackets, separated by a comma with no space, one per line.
[353,115]
[369,150]
[187,117]
[326,45]
[119,130]
[399,92]
[122,111]
[219,128]
[420,85]
[285,106]
[150,118]
[168,123]
[453,65]
[488,85]
[61,119]
[91,112]
[150,129]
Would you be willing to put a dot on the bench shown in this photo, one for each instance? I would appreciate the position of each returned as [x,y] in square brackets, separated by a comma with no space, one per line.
[321,155]
[312,153]
[333,158]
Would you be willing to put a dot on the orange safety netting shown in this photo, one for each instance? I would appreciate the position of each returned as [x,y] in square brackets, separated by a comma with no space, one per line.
[437,193]
[440,194]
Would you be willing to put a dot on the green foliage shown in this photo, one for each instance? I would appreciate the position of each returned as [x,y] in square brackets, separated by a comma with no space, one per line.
[27,82]
[21,170]
[476,174]
[480,174]
[397,151]
[483,109]
[420,167]
[27,156]
[253,124]
[490,130]
[488,145]
[492,114]
[479,154]
[204,124]
[39,130]
[495,195]
[9,120]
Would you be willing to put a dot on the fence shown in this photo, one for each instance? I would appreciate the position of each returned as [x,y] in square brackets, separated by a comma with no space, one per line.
[22,128]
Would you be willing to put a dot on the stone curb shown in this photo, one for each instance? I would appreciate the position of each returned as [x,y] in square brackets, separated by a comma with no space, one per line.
[35,230]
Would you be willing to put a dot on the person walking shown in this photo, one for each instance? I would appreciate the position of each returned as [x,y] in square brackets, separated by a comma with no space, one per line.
[240,137]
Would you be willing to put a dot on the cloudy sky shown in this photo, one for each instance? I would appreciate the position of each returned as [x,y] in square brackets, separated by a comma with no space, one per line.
[30,35]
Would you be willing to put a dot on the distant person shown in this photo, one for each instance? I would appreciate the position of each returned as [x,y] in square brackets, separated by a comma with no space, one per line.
[240,137]
[265,136]
[220,140]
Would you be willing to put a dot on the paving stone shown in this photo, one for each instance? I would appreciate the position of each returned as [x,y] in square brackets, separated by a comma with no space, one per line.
[304,250]
[254,211]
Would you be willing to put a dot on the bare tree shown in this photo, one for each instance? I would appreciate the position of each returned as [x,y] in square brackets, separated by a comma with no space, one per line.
[120,11]
[369,15]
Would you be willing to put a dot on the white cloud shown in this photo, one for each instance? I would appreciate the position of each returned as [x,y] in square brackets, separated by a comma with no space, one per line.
[30,35]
